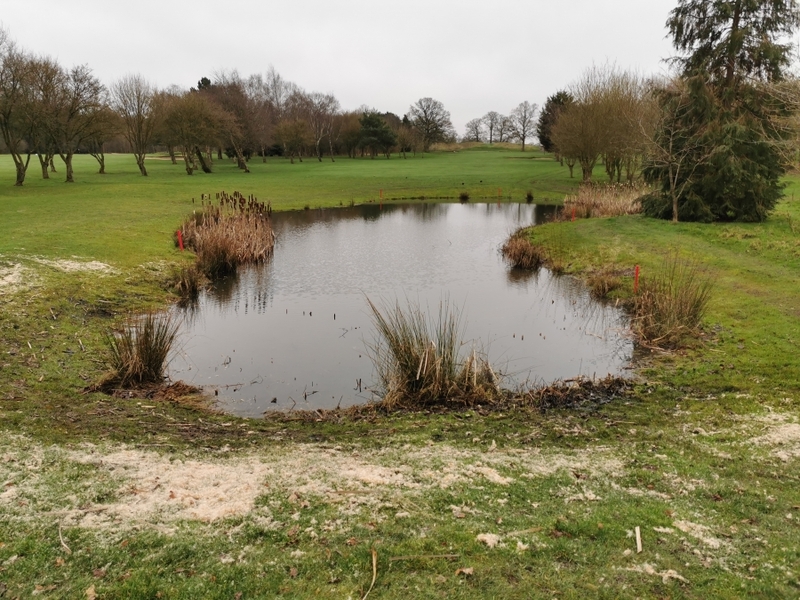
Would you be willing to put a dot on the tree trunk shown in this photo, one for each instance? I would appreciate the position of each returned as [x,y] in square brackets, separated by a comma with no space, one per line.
[21,167]
[140,164]
[219,153]
[52,164]
[100,157]
[67,158]
[44,161]
[187,161]
[204,165]
[171,151]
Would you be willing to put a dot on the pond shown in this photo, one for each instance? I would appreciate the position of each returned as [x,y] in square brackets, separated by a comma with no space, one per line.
[294,333]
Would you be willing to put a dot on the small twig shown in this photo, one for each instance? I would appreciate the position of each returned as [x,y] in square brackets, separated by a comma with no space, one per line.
[638,539]
[374,572]
[63,543]
[425,556]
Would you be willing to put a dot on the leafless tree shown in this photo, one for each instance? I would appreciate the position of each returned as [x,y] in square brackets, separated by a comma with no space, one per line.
[492,120]
[16,119]
[523,119]
[505,129]
[474,131]
[320,110]
[137,103]
[432,120]
[194,121]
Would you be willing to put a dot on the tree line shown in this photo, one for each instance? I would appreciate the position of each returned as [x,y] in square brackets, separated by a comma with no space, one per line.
[48,111]
[715,138]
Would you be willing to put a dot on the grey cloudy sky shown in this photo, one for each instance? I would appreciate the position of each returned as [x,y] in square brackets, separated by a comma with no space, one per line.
[473,55]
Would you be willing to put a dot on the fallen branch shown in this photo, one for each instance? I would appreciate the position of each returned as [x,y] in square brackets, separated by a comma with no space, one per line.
[374,572]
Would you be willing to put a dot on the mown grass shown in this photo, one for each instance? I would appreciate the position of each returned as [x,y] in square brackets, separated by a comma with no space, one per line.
[682,437]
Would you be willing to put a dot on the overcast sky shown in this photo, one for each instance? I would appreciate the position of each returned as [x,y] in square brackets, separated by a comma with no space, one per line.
[474,56]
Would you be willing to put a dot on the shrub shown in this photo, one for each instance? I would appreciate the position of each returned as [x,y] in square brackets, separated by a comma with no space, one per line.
[671,304]
[521,253]
[138,352]
[418,363]
[464,196]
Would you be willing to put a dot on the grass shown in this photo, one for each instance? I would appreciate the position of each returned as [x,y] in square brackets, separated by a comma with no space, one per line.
[418,359]
[699,453]
[138,352]
[521,253]
[670,305]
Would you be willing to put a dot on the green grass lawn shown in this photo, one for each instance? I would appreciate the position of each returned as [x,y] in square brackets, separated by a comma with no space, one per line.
[110,497]
[126,219]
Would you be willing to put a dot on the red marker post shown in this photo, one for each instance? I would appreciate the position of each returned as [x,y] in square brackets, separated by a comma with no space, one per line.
[573,213]
[180,240]
[636,280]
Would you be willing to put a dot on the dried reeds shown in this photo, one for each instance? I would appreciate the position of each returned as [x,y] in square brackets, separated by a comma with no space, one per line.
[418,360]
[601,200]
[138,352]
[601,283]
[671,304]
[521,253]
[236,231]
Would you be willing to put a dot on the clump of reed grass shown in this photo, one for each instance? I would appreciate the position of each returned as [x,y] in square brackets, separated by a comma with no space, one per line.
[521,253]
[604,200]
[601,283]
[418,359]
[236,231]
[670,305]
[138,351]
[463,197]
[529,196]
[188,281]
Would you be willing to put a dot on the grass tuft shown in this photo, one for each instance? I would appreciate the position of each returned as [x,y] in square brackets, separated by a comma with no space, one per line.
[138,352]
[671,304]
[601,283]
[418,360]
[521,253]
[463,197]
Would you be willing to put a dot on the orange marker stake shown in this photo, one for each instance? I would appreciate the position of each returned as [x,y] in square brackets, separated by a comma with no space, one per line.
[636,280]
[180,240]
[573,213]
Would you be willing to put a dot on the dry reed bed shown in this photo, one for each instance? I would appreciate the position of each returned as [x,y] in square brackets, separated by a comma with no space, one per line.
[604,200]
[521,253]
[236,231]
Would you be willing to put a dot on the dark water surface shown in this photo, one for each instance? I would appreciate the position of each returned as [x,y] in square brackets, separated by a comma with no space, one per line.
[293,333]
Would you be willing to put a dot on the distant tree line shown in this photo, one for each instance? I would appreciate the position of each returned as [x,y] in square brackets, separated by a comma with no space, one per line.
[48,111]
[518,126]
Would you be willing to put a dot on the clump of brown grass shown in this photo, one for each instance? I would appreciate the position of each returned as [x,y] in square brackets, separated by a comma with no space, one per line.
[188,281]
[138,352]
[234,232]
[671,304]
[521,253]
[604,200]
[418,359]
[601,283]
[463,197]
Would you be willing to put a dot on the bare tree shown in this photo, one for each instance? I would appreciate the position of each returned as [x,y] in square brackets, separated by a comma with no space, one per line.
[432,120]
[320,110]
[505,129]
[492,120]
[523,119]
[474,131]
[136,102]
[16,118]
[193,121]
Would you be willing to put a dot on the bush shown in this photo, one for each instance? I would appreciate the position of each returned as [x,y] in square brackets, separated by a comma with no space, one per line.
[418,363]
[670,305]
[139,351]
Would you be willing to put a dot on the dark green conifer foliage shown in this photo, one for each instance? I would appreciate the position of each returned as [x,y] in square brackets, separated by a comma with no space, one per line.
[732,51]
[547,118]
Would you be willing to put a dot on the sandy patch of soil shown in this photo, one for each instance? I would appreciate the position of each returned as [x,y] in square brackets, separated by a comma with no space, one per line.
[14,278]
[783,438]
[76,266]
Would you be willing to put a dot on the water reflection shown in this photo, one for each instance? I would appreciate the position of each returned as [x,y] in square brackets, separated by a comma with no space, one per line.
[293,332]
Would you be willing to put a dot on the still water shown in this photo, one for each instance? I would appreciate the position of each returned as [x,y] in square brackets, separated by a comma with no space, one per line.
[293,333]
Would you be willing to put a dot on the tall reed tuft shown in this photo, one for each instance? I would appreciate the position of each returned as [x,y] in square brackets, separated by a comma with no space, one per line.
[236,231]
[138,352]
[521,253]
[671,304]
[418,360]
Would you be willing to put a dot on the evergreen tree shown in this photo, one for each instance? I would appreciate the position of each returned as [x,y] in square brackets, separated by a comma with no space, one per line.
[732,51]
[548,117]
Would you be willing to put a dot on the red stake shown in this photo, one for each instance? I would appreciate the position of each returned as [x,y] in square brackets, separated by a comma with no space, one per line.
[180,240]
[636,280]
[573,213]
[381,193]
